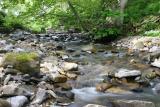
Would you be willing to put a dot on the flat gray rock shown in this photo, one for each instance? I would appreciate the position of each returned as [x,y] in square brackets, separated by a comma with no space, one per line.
[122,73]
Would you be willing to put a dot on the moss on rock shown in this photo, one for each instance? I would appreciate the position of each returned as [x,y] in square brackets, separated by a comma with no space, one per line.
[23,62]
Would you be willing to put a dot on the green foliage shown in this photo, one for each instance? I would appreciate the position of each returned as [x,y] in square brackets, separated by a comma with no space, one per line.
[12,22]
[100,17]
[153,33]
[104,33]
[143,15]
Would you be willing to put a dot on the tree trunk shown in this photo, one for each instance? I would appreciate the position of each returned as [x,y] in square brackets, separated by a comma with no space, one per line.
[76,15]
[123,4]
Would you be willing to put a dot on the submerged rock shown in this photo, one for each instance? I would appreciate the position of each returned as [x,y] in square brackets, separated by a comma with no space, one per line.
[94,105]
[18,101]
[89,48]
[118,90]
[132,103]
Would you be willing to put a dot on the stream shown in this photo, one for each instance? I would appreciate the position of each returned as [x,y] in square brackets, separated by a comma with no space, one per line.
[85,92]
[95,61]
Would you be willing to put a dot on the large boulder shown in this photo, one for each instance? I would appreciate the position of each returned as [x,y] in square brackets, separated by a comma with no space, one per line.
[22,62]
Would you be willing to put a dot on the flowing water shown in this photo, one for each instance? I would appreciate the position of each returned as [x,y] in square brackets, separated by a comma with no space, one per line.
[94,66]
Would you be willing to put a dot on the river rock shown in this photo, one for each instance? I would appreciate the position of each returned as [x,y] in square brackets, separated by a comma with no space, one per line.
[71,75]
[65,57]
[1,60]
[46,67]
[13,90]
[132,103]
[94,105]
[68,66]
[10,71]
[118,90]
[122,73]
[23,62]
[6,80]
[41,96]
[70,50]
[138,45]
[89,48]
[156,63]
[154,49]
[45,85]
[57,78]
[18,101]
[6,48]
[64,86]
[4,103]
[102,87]
[152,56]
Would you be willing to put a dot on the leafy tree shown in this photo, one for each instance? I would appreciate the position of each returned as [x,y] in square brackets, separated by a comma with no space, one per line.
[101,18]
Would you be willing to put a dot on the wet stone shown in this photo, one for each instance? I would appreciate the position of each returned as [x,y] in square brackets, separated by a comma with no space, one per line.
[41,96]
[18,101]
[13,90]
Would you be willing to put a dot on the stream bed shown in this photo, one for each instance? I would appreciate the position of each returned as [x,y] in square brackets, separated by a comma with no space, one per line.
[101,76]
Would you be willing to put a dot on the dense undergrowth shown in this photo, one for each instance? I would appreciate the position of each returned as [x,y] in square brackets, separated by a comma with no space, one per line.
[102,19]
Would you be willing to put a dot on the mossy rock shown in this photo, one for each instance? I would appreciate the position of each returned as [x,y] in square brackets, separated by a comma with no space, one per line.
[23,62]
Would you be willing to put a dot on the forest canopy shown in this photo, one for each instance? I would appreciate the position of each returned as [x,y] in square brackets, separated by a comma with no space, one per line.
[103,18]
